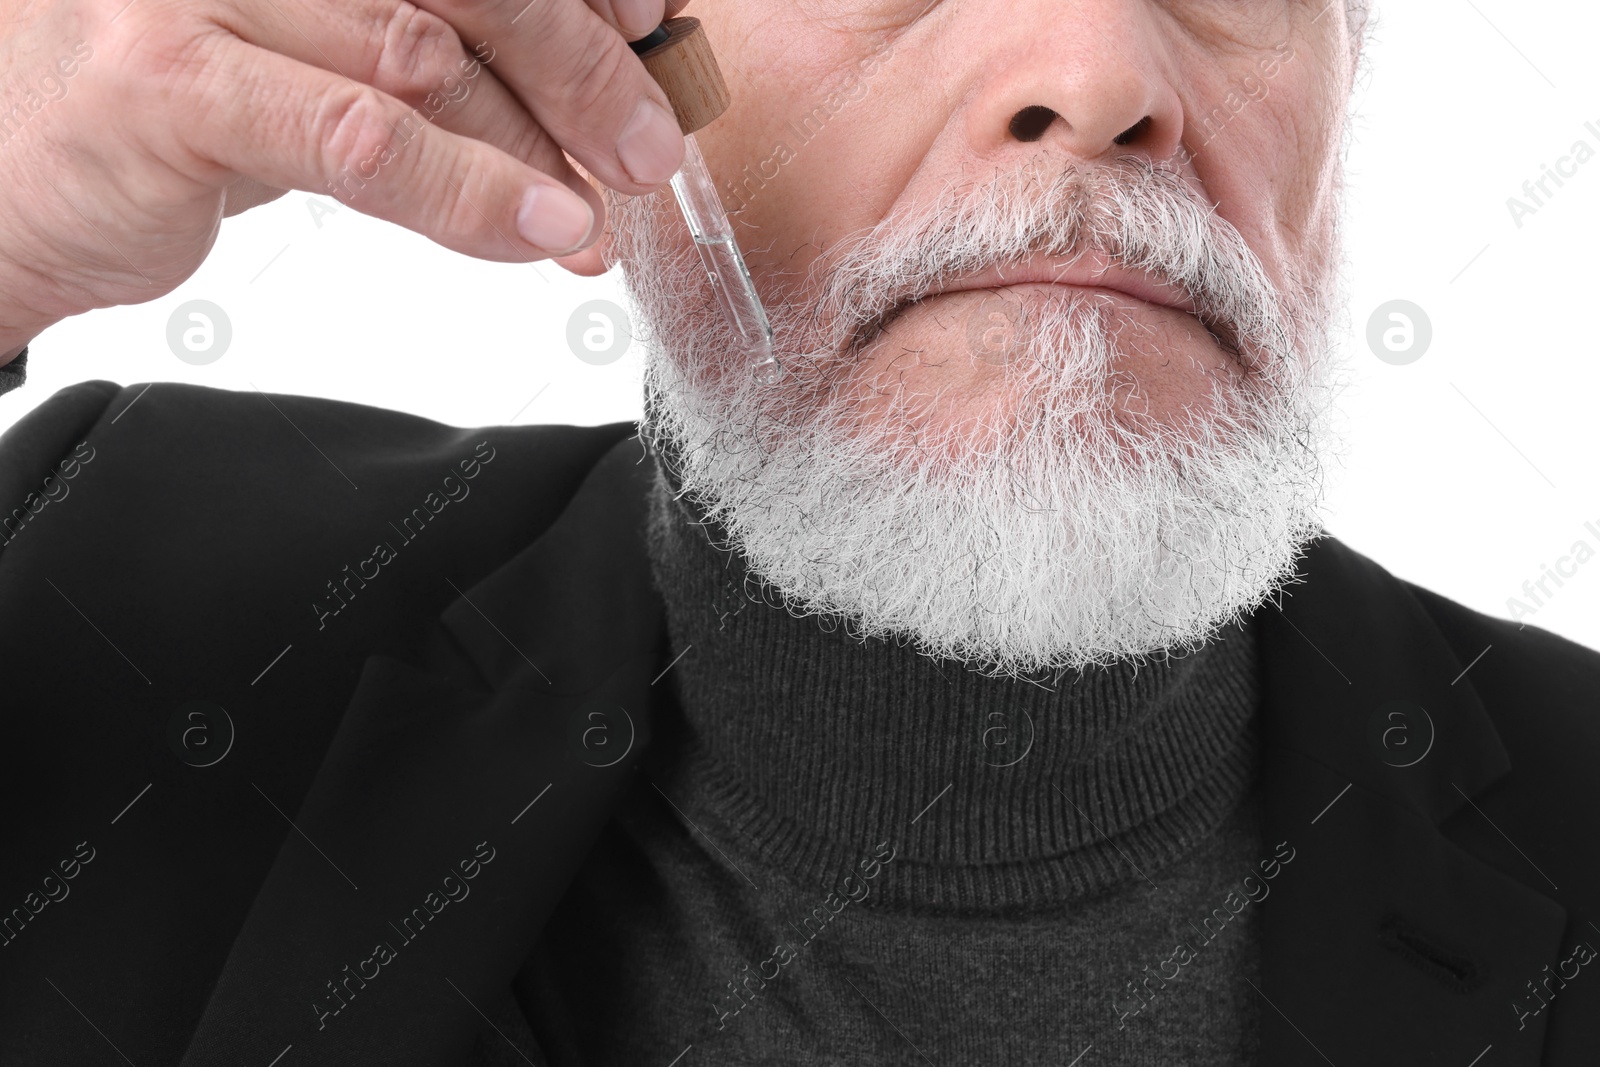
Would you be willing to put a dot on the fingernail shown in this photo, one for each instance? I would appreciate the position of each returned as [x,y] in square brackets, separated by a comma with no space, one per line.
[554,219]
[651,144]
[637,17]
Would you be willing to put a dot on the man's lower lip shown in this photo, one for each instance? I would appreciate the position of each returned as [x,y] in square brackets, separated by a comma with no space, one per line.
[1097,289]
[1224,342]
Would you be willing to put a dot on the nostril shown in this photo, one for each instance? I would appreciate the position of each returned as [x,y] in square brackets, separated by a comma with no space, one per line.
[1030,123]
[1132,133]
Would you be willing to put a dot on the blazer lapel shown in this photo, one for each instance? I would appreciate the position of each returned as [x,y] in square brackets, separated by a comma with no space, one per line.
[1384,942]
[453,806]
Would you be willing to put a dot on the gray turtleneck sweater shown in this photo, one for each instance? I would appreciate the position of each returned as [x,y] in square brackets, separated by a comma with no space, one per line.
[845,852]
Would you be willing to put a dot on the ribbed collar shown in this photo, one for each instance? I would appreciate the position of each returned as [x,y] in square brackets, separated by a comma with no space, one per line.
[802,746]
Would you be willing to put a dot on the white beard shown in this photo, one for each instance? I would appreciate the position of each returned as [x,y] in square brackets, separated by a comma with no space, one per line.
[1050,531]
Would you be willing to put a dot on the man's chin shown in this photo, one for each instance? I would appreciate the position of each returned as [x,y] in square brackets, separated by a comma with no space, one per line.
[1035,559]
[1010,593]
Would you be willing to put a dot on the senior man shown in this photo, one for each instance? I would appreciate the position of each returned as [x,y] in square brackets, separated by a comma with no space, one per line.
[984,690]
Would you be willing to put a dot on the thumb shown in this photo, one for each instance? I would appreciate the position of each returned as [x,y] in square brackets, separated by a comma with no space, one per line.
[247,193]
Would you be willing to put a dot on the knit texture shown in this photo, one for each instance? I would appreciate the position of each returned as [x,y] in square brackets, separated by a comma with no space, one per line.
[15,372]
[843,851]
[814,745]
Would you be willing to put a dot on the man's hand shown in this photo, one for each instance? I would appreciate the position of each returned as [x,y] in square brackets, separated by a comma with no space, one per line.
[129,130]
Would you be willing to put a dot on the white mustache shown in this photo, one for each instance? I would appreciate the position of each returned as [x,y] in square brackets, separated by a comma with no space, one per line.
[1140,216]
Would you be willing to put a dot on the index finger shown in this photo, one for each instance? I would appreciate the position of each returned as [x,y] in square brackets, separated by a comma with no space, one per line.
[636,18]
[577,77]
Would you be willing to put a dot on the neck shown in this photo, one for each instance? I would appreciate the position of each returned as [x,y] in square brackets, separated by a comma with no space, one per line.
[810,746]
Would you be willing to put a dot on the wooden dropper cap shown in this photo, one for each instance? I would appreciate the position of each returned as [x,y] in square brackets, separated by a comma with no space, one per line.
[678,56]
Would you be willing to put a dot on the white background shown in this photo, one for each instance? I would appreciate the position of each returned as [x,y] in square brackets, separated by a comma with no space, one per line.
[1467,471]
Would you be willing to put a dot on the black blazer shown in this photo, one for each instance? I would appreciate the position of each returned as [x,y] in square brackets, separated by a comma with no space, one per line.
[288,679]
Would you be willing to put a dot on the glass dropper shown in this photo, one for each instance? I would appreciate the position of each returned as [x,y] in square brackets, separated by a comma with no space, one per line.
[702,209]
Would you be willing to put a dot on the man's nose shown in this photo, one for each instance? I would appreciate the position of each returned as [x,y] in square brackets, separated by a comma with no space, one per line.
[1090,78]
